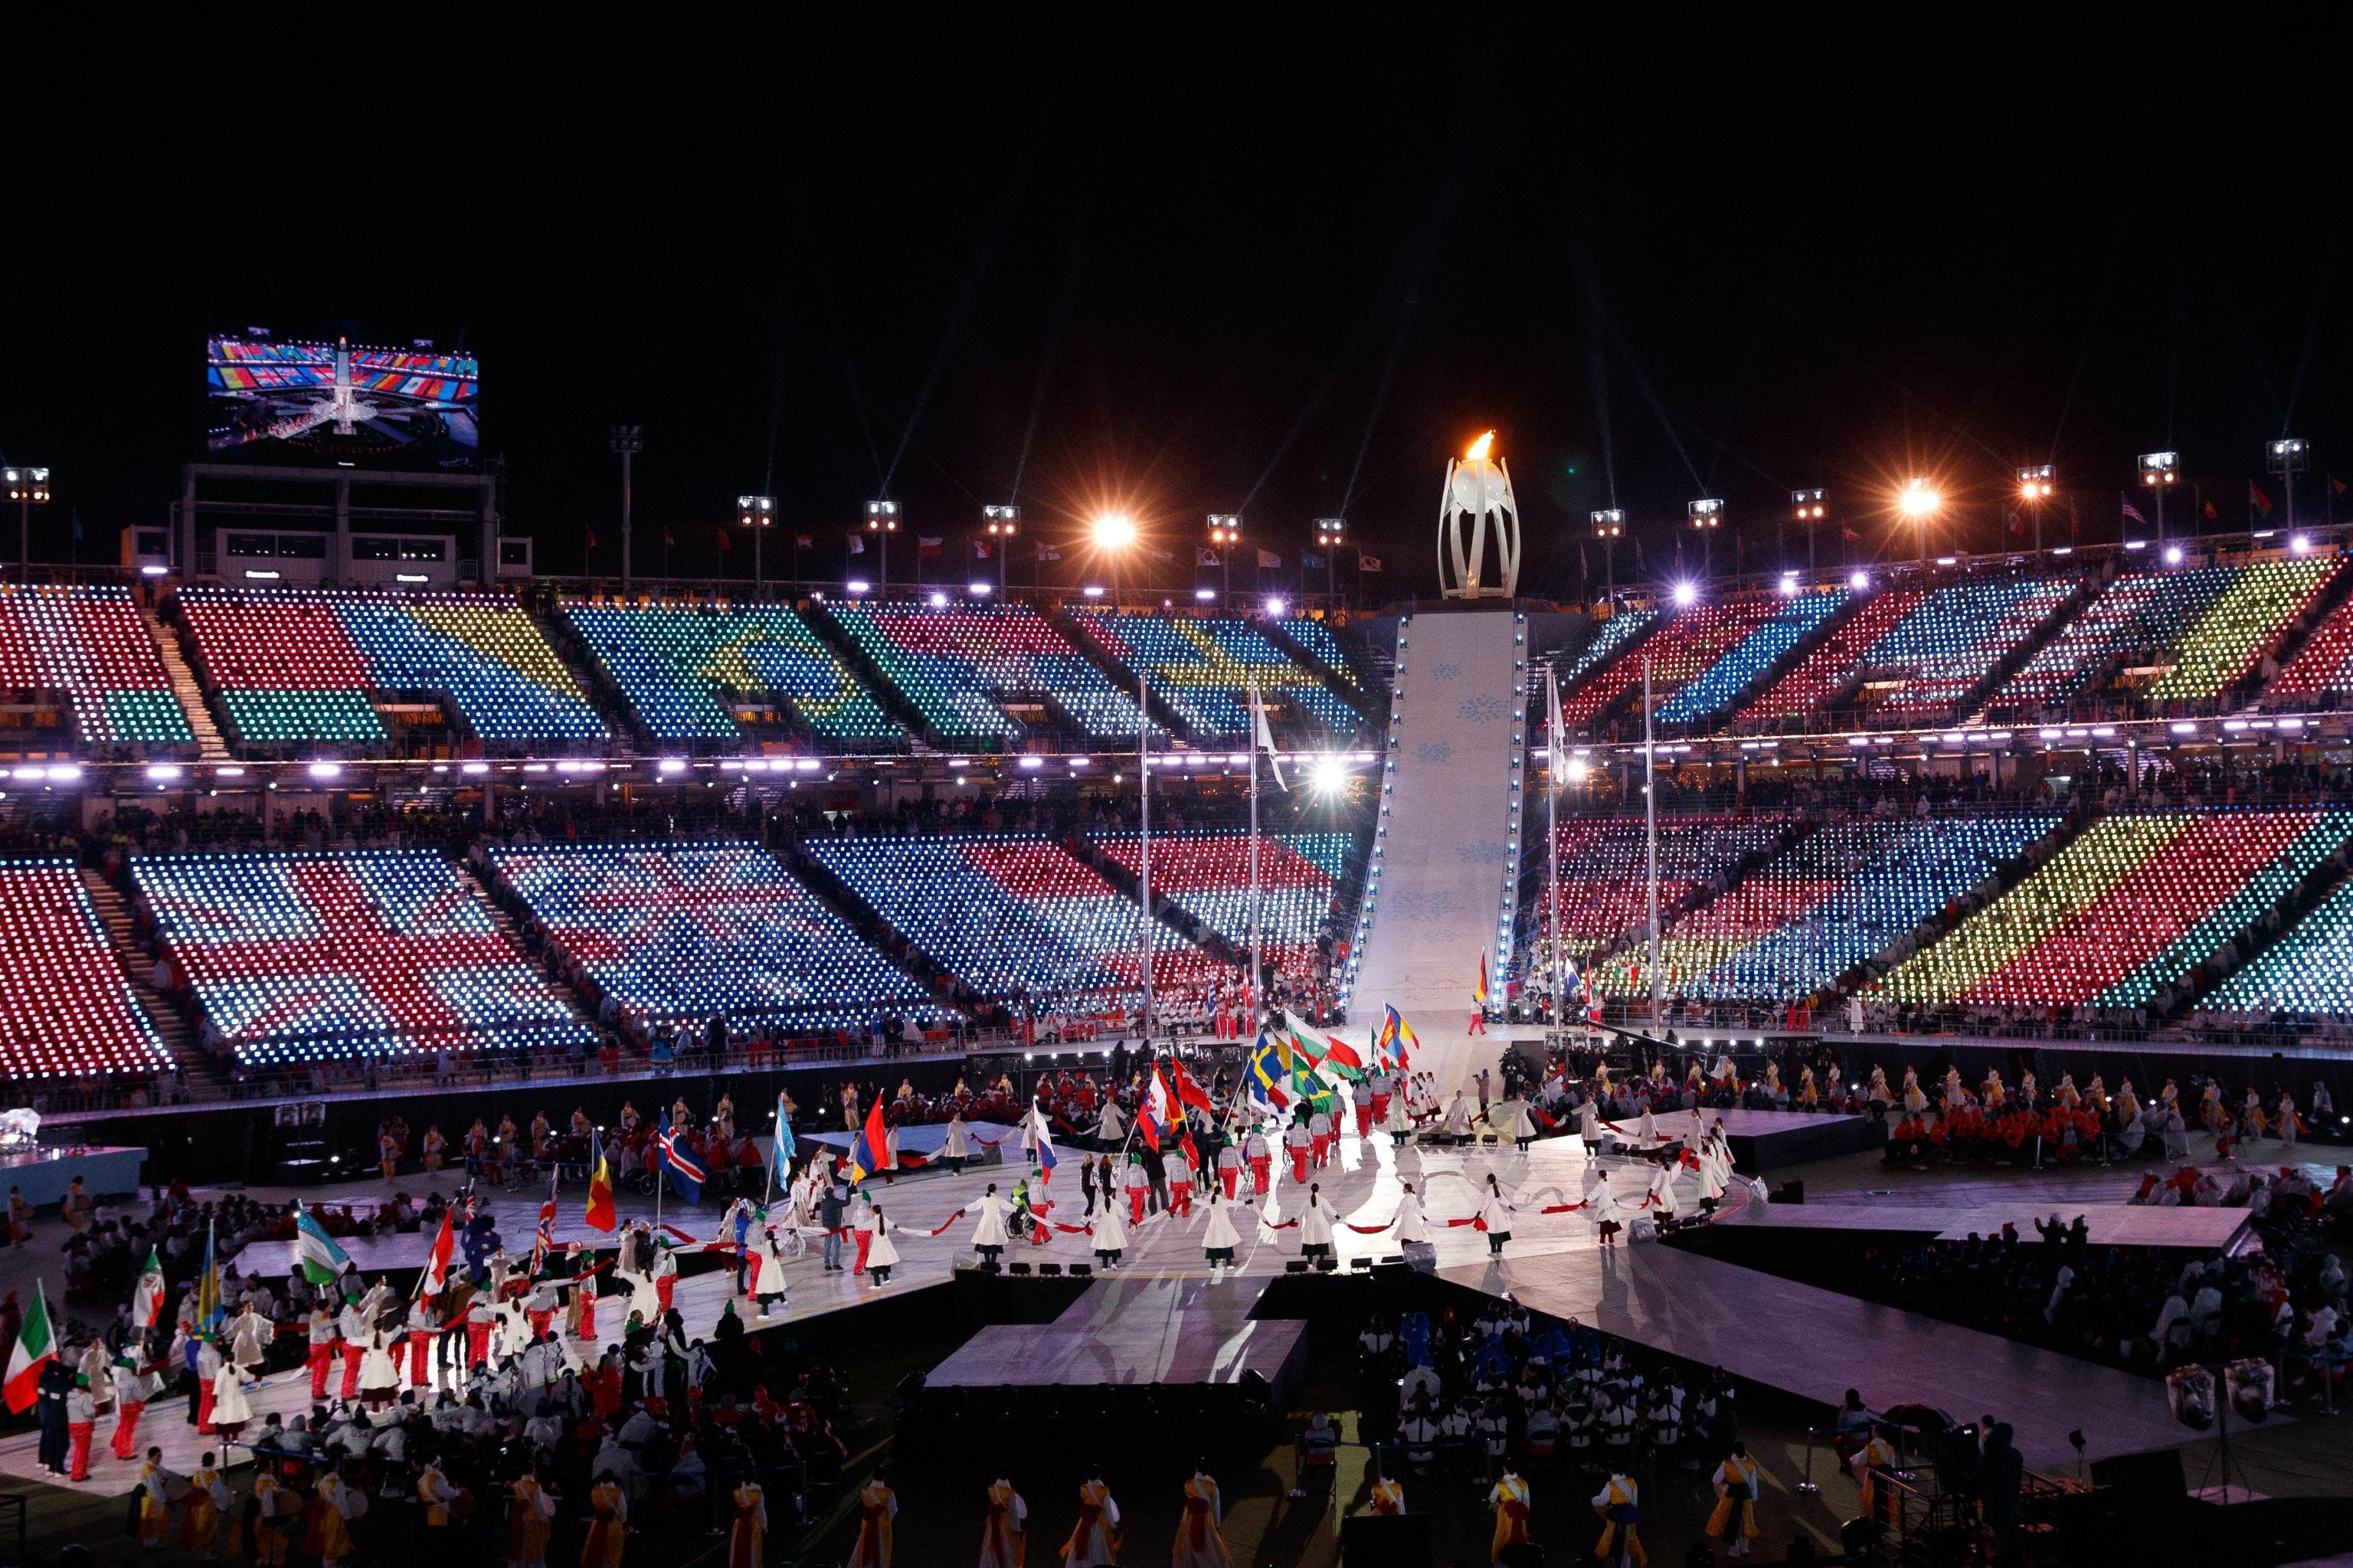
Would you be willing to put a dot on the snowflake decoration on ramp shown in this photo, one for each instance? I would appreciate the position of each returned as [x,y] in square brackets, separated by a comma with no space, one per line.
[1486,852]
[1433,751]
[1445,672]
[1481,710]
[1419,906]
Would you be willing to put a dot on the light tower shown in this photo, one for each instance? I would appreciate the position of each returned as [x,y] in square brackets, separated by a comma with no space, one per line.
[2036,485]
[1706,516]
[1000,523]
[1478,486]
[2286,458]
[2158,472]
[755,515]
[882,521]
[1226,536]
[28,488]
[1331,532]
[1811,507]
[1608,527]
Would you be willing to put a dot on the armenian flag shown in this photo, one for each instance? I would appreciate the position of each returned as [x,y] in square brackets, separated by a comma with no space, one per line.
[871,1147]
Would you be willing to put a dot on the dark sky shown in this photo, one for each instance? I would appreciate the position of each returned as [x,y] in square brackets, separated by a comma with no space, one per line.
[1277,266]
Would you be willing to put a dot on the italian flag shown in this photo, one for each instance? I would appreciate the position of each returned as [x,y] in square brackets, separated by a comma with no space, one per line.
[36,1346]
[147,1296]
[324,1262]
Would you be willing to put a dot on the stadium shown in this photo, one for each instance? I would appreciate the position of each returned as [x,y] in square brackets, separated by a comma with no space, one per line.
[544,1015]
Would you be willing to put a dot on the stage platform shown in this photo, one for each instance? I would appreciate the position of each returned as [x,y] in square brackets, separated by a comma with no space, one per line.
[1135,1332]
[990,1141]
[44,1174]
[1817,1345]
[2108,1224]
[1765,1140]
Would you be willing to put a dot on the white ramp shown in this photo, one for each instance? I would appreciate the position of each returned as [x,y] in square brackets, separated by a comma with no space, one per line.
[1444,878]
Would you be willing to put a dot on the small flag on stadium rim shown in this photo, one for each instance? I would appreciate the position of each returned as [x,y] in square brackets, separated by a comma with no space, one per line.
[436,1262]
[669,540]
[1204,556]
[322,1261]
[858,544]
[2257,499]
[803,541]
[1269,561]
[929,543]
[1311,561]
[2134,513]
[725,542]
[1367,563]
[601,1215]
[37,1346]
[147,1296]
[1048,552]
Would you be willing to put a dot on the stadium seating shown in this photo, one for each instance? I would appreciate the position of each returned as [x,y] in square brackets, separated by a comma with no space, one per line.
[1679,652]
[1605,869]
[2322,671]
[2134,903]
[2307,972]
[1839,896]
[963,668]
[683,932]
[1207,876]
[1609,638]
[1317,638]
[1919,651]
[65,1008]
[1201,669]
[1009,916]
[86,643]
[1718,687]
[298,955]
[297,665]
[2209,623]
[678,664]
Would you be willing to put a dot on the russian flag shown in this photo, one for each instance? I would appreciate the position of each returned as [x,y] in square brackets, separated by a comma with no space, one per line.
[1046,1158]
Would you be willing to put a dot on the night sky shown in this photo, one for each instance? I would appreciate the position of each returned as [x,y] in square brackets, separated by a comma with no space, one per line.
[1281,268]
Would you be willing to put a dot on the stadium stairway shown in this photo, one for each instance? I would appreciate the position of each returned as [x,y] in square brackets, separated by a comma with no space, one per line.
[1118,674]
[2251,693]
[186,690]
[1130,885]
[893,943]
[122,936]
[504,920]
[868,674]
[1440,897]
[622,721]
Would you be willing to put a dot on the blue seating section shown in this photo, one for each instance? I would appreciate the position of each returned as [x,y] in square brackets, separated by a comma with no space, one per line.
[678,664]
[683,932]
[2308,973]
[1010,914]
[1716,688]
[302,956]
[1201,669]
[1317,638]
[1607,639]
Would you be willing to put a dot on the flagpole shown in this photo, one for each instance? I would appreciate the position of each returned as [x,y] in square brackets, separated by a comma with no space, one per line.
[1650,834]
[1257,965]
[1551,837]
[1143,859]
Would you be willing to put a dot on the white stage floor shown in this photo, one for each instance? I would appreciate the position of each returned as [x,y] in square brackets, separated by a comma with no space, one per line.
[2108,1224]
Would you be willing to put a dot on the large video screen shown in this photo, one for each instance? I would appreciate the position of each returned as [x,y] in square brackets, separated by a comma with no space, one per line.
[341,401]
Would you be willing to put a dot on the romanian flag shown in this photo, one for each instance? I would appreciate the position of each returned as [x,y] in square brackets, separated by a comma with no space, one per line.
[871,1147]
[1479,991]
[601,1215]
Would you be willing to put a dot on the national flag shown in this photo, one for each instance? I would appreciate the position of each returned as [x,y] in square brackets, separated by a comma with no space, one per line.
[324,1262]
[1048,552]
[436,1262]
[1341,1057]
[1188,1091]
[2336,484]
[209,1310]
[2257,499]
[1556,731]
[803,541]
[980,549]
[1269,561]
[929,543]
[671,1150]
[871,1145]
[1849,536]
[1265,737]
[725,542]
[1270,1073]
[590,534]
[543,1241]
[1156,1114]
[37,1346]
[780,1158]
[1047,1158]
[601,1215]
[1204,556]
[147,1296]
[1397,1041]
[858,544]
[2012,521]
[1366,563]
[2212,514]
[2134,513]
[1311,561]
[669,540]
[1479,991]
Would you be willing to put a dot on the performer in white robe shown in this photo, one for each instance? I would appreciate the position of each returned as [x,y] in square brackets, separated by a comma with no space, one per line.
[1601,1205]
[1315,1225]
[1219,1237]
[1093,1543]
[989,1236]
[881,1256]
[1106,1236]
[1412,1224]
[230,1411]
[1112,1127]
[1496,1215]
[1662,1195]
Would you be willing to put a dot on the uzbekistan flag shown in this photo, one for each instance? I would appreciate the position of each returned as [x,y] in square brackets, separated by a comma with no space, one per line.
[322,1261]
[871,1147]
[37,1346]
[147,1296]
[601,1215]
